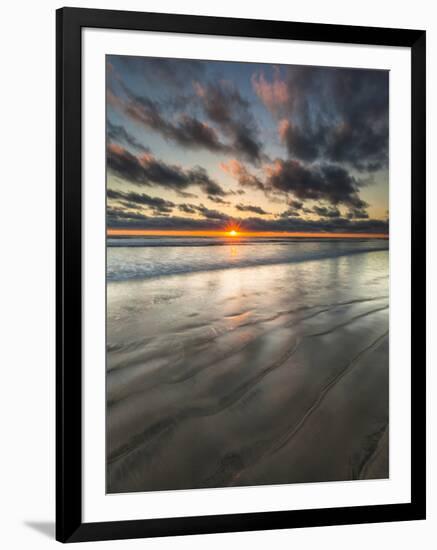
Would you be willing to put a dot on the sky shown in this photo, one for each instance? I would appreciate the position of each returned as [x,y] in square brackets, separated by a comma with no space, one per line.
[204,146]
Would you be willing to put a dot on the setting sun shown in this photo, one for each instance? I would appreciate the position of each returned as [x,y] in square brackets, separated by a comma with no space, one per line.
[232,233]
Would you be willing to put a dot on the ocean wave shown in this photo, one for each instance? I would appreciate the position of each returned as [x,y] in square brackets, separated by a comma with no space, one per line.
[132,263]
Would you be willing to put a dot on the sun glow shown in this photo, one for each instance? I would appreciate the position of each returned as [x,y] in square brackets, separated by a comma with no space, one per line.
[125,232]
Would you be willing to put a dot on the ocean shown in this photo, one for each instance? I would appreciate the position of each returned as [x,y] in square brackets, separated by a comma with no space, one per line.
[147,257]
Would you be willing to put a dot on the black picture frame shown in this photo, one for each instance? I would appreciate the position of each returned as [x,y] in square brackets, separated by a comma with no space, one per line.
[69,525]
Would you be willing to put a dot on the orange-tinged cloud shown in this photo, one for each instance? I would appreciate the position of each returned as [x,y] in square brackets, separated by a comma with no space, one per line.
[274,94]
[233,167]
[283,127]
[116,148]
[239,172]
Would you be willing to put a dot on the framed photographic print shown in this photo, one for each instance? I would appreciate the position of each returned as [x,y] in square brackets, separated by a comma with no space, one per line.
[240,274]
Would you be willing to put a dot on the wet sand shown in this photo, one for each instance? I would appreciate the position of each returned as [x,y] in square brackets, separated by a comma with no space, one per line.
[248,376]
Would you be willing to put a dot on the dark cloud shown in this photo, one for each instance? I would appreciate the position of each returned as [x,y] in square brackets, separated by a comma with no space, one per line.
[136,200]
[226,108]
[221,104]
[211,214]
[199,176]
[186,194]
[356,213]
[327,182]
[335,115]
[132,201]
[187,131]
[290,213]
[187,208]
[121,135]
[317,182]
[335,225]
[326,212]
[301,145]
[117,218]
[124,164]
[361,136]
[190,132]
[295,204]
[203,211]
[251,208]
[218,200]
[147,170]
[173,72]
[342,186]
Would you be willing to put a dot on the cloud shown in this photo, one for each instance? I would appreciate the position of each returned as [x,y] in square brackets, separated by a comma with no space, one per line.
[361,136]
[187,208]
[338,225]
[289,213]
[238,171]
[124,164]
[305,182]
[186,194]
[326,182]
[136,200]
[203,211]
[211,214]
[299,144]
[186,130]
[218,200]
[335,225]
[251,208]
[146,170]
[190,132]
[357,213]
[159,207]
[199,176]
[174,73]
[225,107]
[325,212]
[220,102]
[121,135]
[295,203]
[335,115]
[275,94]
[118,218]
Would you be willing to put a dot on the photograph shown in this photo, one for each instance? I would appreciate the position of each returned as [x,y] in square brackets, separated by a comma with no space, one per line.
[247,274]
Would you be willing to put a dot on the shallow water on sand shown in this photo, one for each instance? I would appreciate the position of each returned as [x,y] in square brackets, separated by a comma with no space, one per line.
[257,374]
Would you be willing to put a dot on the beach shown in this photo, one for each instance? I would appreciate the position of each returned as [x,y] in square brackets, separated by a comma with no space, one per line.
[233,363]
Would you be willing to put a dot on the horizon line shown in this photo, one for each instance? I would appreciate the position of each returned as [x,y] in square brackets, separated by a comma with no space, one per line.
[119,232]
